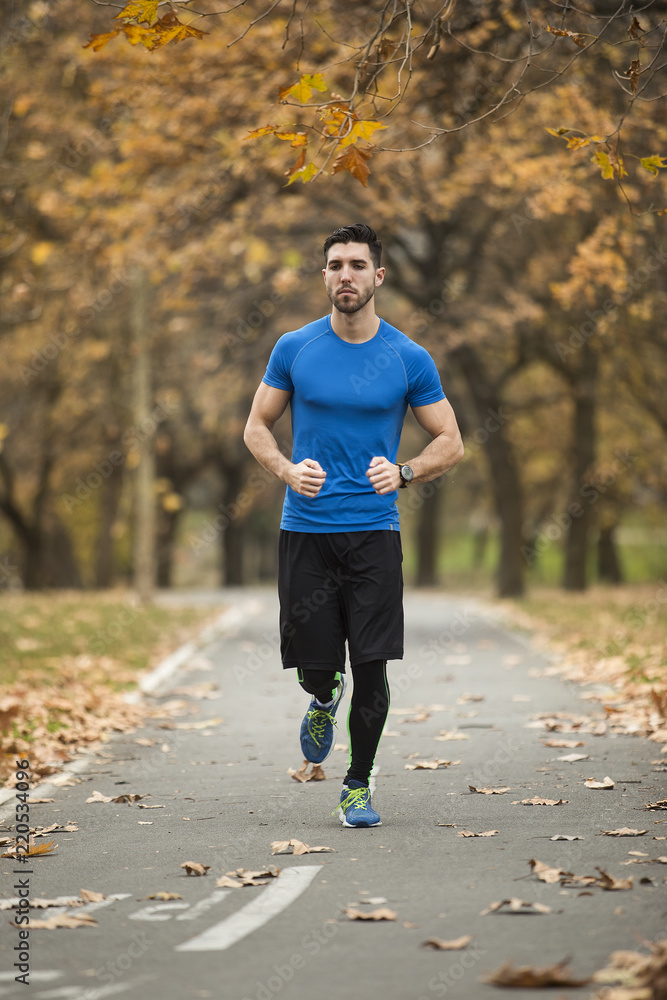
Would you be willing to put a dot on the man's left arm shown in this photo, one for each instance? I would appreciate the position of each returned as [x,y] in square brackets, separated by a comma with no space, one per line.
[441,454]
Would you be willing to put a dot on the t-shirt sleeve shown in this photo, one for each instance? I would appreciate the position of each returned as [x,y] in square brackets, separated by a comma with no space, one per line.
[424,384]
[278,369]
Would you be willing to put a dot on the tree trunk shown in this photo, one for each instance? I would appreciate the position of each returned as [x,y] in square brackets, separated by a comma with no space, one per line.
[104,564]
[583,494]
[59,567]
[166,538]
[609,563]
[144,512]
[428,540]
[233,533]
[505,480]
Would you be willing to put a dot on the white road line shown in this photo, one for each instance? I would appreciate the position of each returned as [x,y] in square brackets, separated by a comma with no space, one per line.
[204,904]
[290,883]
[91,907]
[159,911]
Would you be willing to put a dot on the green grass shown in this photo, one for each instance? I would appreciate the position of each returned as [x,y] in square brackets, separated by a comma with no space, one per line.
[46,636]
[640,562]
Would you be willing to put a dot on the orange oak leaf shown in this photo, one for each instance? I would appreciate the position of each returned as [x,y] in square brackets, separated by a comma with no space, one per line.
[355,161]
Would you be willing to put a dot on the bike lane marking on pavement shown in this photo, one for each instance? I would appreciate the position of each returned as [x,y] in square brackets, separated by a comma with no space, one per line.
[160,911]
[275,898]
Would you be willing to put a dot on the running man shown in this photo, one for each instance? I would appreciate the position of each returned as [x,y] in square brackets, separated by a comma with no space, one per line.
[349,378]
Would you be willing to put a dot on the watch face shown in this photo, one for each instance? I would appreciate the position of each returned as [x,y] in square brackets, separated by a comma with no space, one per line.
[407,473]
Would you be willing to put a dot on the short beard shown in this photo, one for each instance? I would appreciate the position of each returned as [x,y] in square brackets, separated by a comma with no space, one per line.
[354,306]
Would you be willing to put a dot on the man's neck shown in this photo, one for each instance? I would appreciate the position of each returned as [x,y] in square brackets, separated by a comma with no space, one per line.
[356,327]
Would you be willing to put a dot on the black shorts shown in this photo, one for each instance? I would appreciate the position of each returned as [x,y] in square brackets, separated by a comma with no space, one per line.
[340,586]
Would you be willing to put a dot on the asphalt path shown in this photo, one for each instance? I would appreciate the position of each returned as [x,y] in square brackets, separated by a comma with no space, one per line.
[226,795]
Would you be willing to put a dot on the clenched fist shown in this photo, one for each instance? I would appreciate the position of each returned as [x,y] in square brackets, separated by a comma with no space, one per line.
[307,478]
[385,477]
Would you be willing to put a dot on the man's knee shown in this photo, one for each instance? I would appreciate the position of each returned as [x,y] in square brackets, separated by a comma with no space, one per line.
[317,681]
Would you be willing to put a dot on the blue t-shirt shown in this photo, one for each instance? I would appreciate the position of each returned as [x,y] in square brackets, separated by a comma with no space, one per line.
[348,404]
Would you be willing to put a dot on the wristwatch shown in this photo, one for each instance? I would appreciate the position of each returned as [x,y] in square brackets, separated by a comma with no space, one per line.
[407,475]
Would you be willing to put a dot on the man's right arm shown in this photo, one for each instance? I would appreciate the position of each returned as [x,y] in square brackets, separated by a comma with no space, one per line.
[306,477]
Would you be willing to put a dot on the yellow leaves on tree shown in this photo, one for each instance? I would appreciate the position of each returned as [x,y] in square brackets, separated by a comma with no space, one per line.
[607,168]
[157,33]
[140,10]
[303,89]
[360,130]
[297,139]
[341,128]
[653,163]
[611,165]
[301,171]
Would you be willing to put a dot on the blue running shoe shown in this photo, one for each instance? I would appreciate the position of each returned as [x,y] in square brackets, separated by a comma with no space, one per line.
[317,728]
[354,808]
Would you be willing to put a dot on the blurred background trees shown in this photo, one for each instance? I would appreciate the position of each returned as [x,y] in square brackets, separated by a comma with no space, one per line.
[533,270]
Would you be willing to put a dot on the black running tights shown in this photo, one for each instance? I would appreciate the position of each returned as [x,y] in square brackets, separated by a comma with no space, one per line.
[369,706]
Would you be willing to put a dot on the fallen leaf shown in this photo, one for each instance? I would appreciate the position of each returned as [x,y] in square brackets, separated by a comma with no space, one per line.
[163,894]
[545,873]
[638,976]
[571,758]
[430,765]
[294,846]
[564,836]
[419,717]
[34,850]
[316,772]
[469,697]
[243,876]
[35,802]
[563,743]
[624,831]
[64,920]
[605,783]
[195,868]
[98,797]
[537,801]
[126,797]
[607,881]
[452,734]
[454,945]
[145,805]
[515,905]
[42,904]
[469,833]
[89,896]
[202,724]
[660,804]
[532,977]
[490,791]
[382,913]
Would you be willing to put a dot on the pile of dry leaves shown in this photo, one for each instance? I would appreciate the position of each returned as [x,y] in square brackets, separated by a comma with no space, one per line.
[617,648]
[48,727]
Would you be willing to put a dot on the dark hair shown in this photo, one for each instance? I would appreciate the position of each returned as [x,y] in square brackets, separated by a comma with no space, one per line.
[357,233]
